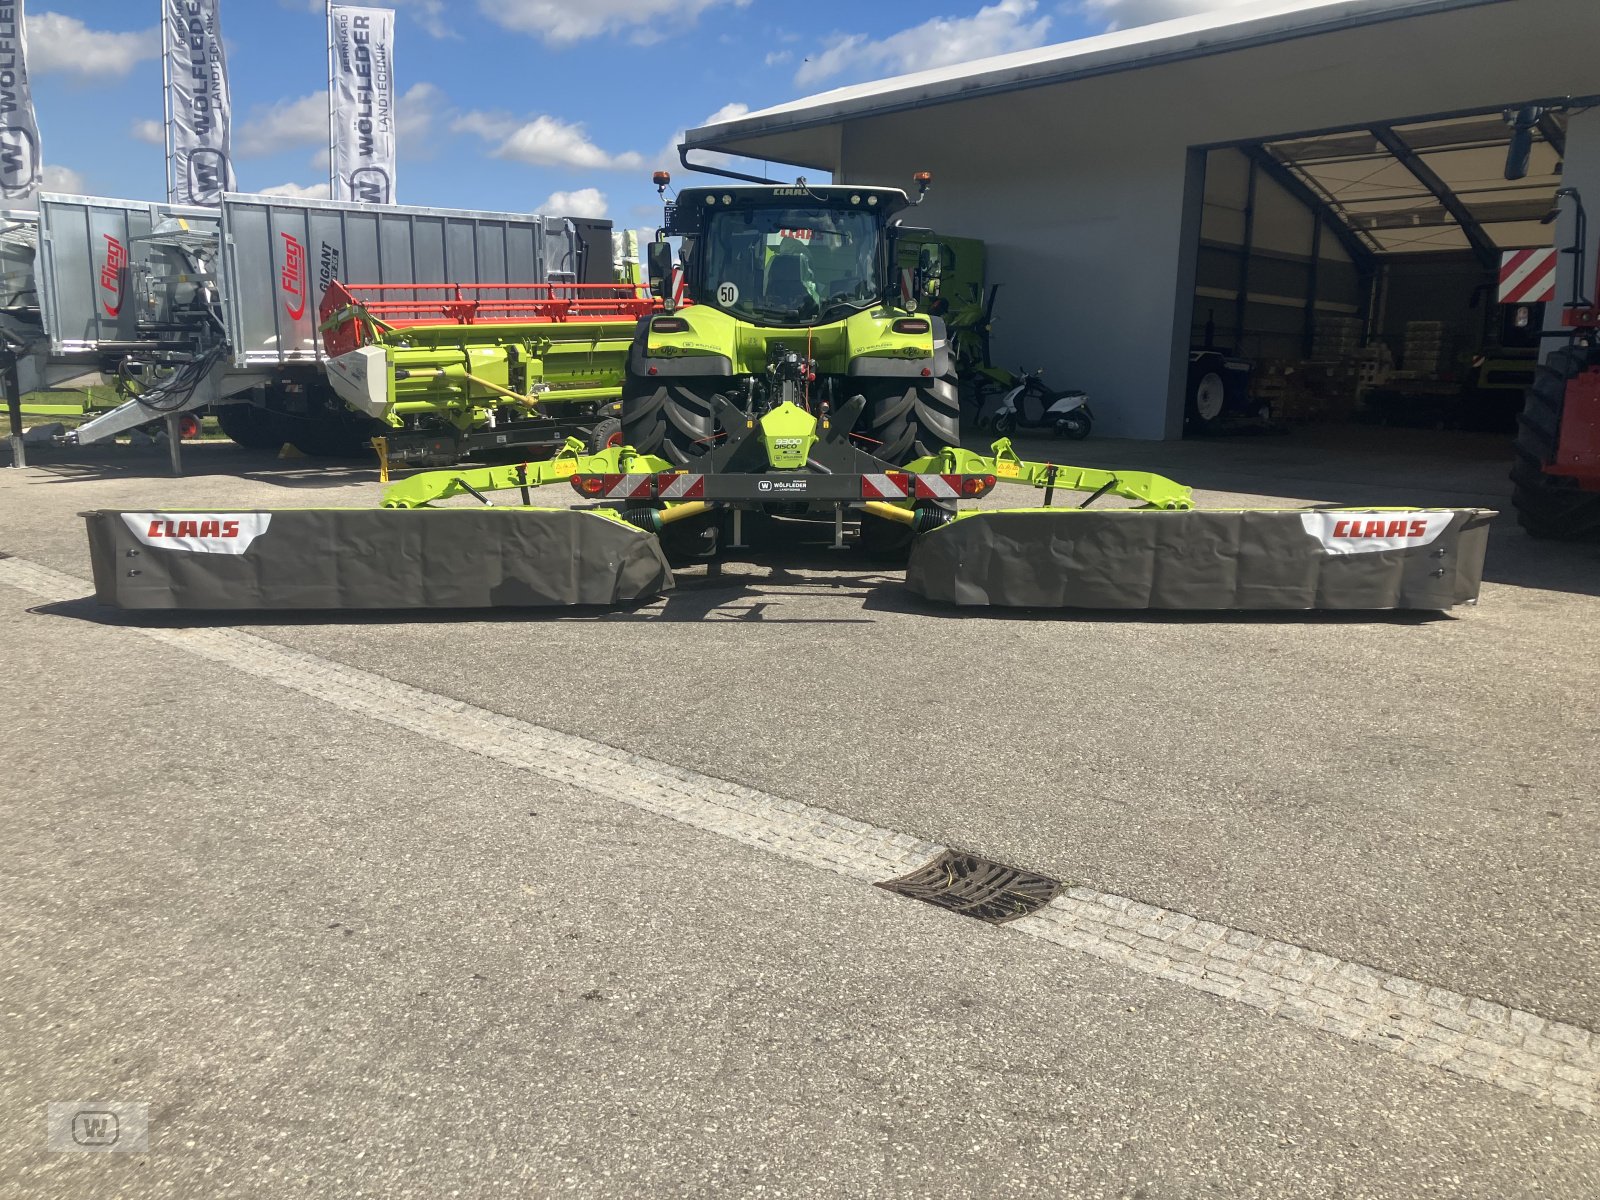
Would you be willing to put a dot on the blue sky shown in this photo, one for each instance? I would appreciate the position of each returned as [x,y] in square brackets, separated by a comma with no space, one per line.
[509,104]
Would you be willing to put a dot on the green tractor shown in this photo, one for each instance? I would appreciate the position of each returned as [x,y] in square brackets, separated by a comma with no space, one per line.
[789,292]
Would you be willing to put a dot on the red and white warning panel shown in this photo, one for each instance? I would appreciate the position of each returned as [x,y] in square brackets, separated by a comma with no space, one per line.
[1528,276]
[783,486]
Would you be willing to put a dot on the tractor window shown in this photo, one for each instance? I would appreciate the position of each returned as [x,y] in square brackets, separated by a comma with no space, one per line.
[790,265]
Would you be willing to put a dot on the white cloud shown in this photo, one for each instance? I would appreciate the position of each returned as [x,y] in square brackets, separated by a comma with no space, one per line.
[584,202]
[728,112]
[415,110]
[668,156]
[562,22]
[544,141]
[995,29]
[303,121]
[59,43]
[62,179]
[314,191]
[1121,14]
[153,132]
[429,14]
[777,57]
[283,126]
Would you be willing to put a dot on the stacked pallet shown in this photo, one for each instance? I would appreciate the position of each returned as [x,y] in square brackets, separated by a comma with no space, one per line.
[1428,348]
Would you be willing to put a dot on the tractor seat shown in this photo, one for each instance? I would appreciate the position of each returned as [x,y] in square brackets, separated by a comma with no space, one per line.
[789,281]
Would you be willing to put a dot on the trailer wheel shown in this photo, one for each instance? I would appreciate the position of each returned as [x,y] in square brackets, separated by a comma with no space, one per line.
[605,433]
[670,420]
[250,426]
[913,422]
[1550,506]
[334,435]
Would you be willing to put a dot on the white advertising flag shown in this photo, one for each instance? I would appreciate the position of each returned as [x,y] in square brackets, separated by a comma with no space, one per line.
[362,121]
[20,165]
[199,113]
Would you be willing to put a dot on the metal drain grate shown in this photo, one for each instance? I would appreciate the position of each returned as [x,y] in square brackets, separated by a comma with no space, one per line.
[976,887]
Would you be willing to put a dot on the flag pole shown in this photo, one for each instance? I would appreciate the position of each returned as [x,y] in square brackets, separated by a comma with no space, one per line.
[166,97]
[333,183]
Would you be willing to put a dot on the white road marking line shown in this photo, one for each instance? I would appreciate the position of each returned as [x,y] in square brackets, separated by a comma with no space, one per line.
[1550,1060]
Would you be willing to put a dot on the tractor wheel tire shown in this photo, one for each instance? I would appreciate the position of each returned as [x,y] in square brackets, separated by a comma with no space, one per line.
[252,427]
[607,433]
[913,422]
[1207,397]
[1550,506]
[670,420]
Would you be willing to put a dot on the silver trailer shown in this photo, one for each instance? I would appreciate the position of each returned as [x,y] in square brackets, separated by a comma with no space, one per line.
[280,256]
[199,307]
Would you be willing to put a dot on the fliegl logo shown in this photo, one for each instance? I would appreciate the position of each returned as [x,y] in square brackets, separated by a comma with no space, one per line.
[293,278]
[111,275]
[201,533]
[1369,532]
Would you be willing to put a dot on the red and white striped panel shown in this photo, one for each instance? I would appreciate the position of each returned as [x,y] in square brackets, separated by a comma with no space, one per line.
[1528,276]
[893,486]
[629,487]
[938,487]
[681,487]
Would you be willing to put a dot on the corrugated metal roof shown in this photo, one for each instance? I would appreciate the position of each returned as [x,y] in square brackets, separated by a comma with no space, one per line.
[1124,50]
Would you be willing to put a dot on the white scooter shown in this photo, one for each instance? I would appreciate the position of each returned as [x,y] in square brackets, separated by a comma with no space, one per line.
[1031,406]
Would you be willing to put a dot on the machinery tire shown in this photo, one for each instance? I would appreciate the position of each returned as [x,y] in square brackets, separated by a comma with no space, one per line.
[607,432]
[670,420]
[251,426]
[1207,397]
[333,435]
[1550,506]
[912,422]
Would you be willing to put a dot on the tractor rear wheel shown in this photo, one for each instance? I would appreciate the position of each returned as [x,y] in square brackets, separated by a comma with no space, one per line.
[913,422]
[670,420]
[1550,506]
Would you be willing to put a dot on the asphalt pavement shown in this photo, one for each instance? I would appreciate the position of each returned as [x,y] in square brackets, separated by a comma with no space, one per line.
[337,960]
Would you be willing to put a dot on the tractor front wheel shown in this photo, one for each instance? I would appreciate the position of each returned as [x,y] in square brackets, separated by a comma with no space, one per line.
[1550,506]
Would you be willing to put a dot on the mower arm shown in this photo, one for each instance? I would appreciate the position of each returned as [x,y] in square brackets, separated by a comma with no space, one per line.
[421,490]
[1155,491]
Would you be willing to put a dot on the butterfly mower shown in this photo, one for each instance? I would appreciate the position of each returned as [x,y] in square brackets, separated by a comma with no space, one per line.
[788,382]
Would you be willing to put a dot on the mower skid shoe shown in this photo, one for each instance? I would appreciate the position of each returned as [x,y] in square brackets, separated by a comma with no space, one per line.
[329,559]
[1198,560]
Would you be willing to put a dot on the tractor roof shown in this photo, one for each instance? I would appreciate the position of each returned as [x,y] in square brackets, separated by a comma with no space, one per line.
[792,195]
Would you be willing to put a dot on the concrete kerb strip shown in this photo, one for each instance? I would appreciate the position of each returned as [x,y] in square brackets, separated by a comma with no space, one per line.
[1551,1061]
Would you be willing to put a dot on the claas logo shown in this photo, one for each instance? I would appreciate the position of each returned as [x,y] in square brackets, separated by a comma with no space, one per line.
[111,275]
[166,527]
[1397,528]
[294,277]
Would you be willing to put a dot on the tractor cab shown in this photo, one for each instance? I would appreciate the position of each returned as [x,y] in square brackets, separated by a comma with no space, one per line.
[786,256]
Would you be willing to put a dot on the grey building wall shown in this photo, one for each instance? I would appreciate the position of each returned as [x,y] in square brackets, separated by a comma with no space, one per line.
[1083,189]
